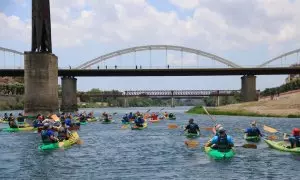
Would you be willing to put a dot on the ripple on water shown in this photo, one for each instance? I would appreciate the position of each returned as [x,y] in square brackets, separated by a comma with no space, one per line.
[110,152]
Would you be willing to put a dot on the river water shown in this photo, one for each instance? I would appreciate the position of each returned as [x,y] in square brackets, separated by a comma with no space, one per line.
[109,152]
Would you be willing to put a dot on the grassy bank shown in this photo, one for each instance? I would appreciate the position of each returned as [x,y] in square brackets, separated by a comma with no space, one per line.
[235,112]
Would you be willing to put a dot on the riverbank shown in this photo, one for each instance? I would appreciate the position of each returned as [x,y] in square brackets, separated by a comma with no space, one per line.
[287,105]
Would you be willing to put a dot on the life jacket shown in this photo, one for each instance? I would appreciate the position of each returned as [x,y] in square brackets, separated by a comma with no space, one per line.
[223,143]
[192,128]
[62,135]
[253,132]
[45,136]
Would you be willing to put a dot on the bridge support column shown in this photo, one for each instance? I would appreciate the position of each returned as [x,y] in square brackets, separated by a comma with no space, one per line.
[172,99]
[69,94]
[41,84]
[248,91]
[218,101]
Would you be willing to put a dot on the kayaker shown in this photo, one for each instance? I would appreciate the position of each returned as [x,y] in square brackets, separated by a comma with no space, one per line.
[294,138]
[125,119]
[154,116]
[216,129]
[192,127]
[12,122]
[105,115]
[5,117]
[139,121]
[82,118]
[171,115]
[130,116]
[68,120]
[48,135]
[253,130]
[20,120]
[222,141]
[166,114]
[63,132]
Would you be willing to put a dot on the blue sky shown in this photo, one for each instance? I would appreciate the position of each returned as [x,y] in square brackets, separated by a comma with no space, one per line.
[247,32]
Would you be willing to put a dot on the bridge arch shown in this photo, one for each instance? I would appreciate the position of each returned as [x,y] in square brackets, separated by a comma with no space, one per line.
[279,57]
[11,51]
[157,47]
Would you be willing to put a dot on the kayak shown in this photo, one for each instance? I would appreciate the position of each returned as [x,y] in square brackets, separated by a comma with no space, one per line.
[2,121]
[218,155]
[172,118]
[154,121]
[252,138]
[134,127]
[191,135]
[64,144]
[19,129]
[83,123]
[282,146]
[92,119]
[106,122]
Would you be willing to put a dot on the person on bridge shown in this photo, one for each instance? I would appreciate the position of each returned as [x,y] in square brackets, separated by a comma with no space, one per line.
[125,119]
[48,135]
[253,130]
[192,127]
[139,121]
[294,138]
[222,141]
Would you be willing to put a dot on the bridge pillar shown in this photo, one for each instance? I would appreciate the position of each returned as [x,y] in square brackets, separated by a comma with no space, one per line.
[41,83]
[125,100]
[172,99]
[218,101]
[248,91]
[69,94]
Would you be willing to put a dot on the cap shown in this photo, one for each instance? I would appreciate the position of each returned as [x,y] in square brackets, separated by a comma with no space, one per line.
[221,130]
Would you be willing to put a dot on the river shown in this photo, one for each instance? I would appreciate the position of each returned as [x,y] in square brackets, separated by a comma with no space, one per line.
[109,152]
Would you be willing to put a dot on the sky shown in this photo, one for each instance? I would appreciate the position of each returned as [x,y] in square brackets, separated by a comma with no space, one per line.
[246,32]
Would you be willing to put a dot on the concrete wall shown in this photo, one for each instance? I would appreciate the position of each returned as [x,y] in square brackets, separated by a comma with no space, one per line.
[69,96]
[41,83]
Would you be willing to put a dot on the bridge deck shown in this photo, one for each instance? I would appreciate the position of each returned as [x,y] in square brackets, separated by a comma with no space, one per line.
[164,72]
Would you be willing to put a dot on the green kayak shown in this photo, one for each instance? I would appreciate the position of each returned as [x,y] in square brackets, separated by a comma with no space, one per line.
[19,129]
[252,138]
[64,144]
[172,118]
[106,122]
[282,146]
[92,119]
[218,155]
[191,135]
[83,123]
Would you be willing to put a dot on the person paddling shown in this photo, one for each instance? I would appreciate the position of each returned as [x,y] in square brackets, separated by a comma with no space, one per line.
[139,121]
[253,131]
[294,138]
[125,119]
[222,141]
[192,127]
[63,132]
[12,122]
[48,135]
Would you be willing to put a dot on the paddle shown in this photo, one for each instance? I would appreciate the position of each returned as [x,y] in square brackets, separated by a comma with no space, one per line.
[253,146]
[249,146]
[191,143]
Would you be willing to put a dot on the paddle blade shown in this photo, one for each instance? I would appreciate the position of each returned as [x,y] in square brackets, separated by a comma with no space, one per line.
[250,146]
[124,127]
[273,137]
[208,128]
[191,143]
[269,129]
[172,126]
[79,141]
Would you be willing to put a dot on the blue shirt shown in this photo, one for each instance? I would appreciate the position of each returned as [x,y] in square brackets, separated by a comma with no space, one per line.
[215,140]
[253,131]
[68,121]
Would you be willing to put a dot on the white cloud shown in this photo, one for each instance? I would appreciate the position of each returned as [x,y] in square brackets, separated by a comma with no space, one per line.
[215,26]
